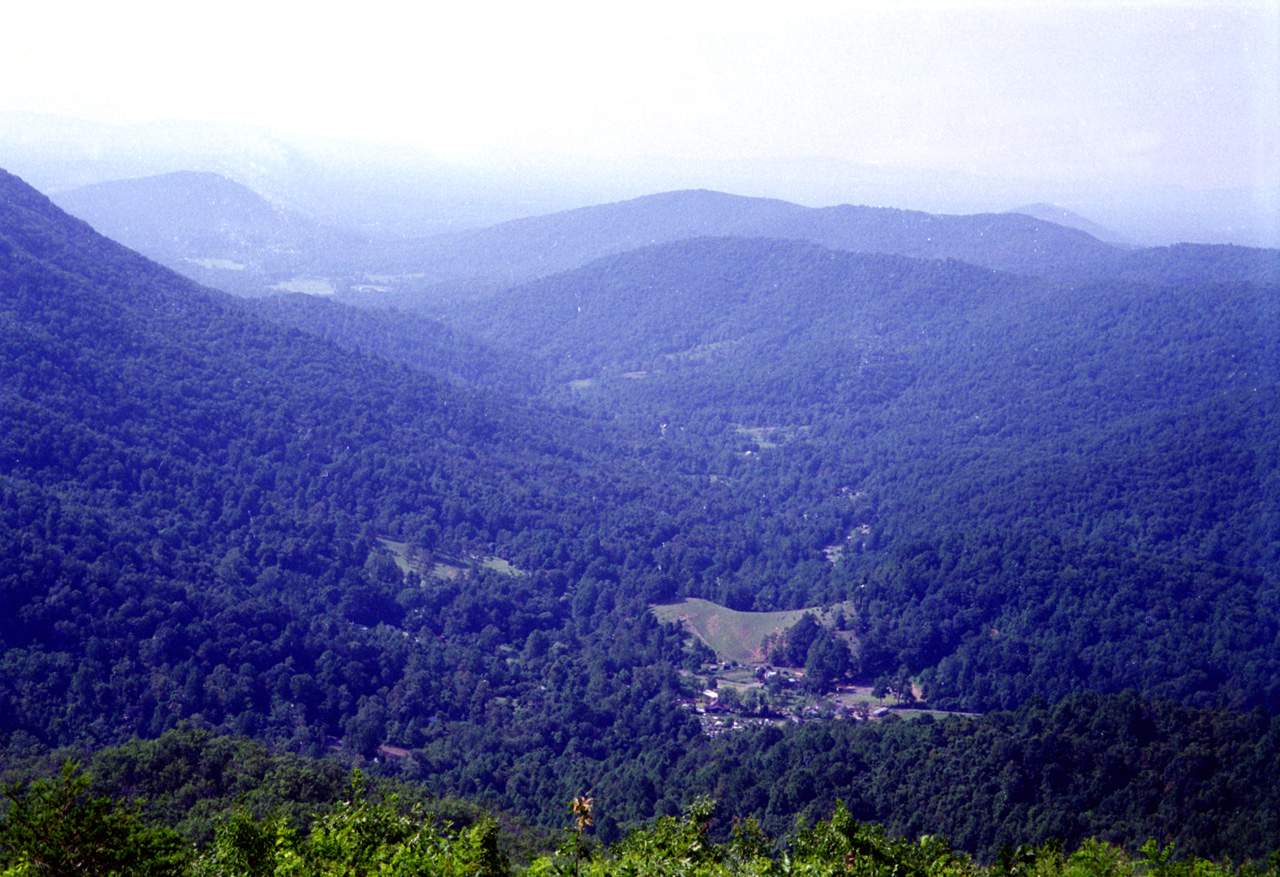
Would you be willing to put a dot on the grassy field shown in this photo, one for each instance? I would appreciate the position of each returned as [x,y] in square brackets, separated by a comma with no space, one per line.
[444,566]
[732,635]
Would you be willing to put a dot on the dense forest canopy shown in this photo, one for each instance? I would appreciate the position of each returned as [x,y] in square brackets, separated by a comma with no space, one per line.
[430,547]
[189,803]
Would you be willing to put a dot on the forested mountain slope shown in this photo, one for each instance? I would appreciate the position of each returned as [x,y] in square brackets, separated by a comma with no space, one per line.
[1071,219]
[424,344]
[1200,263]
[1114,767]
[1171,781]
[690,304]
[991,453]
[192,507]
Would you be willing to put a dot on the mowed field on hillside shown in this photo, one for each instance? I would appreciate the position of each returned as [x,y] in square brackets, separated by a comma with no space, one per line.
[733,635]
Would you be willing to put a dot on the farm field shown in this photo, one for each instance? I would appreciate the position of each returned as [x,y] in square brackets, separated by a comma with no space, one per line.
[733,635]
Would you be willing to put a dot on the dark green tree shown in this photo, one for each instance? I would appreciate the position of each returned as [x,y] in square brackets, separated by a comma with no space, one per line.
[55,827]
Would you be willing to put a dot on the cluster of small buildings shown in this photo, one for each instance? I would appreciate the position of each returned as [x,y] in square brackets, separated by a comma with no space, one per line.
[718,718]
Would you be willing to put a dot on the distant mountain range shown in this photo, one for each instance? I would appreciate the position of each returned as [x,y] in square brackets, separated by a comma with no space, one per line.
[219,232]
[1062,216]
[371,190]
[377,191]
[209,228]
[526,248]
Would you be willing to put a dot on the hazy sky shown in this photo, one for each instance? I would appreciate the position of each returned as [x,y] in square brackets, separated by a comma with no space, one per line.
[1157,92]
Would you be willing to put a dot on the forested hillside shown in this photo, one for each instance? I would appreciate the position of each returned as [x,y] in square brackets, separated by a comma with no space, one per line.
[430,548]
[190,802]
[193,509]
[424,344]
[1015,470]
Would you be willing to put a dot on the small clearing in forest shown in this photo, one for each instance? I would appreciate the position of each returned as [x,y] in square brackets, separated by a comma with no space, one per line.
[733,635]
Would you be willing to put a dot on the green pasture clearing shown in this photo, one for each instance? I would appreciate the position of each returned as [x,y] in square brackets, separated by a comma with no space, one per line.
[442,566]
[499,565]
[400,552]
[733,635]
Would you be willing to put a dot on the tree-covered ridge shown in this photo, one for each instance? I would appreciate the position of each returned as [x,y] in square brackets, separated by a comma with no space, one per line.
[681,304]
[423,344]
[988,453]
[189,780]
[192,505]
[292,817]
[217,231]
[1200,264]
[1116,768]
[539,246]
